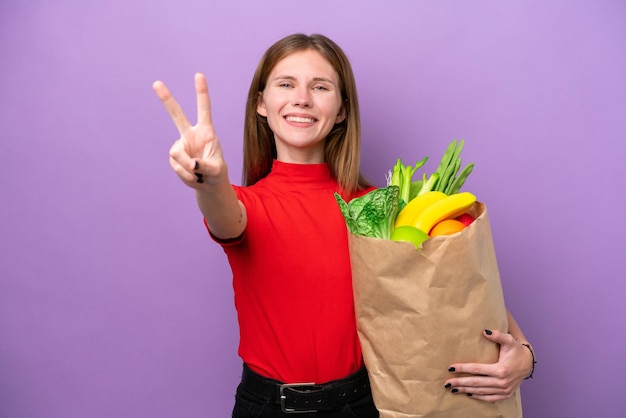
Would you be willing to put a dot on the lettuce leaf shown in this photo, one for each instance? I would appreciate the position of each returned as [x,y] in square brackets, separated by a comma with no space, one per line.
[373,214]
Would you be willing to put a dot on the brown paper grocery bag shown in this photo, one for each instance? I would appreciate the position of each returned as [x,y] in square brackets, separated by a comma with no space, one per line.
[419,311]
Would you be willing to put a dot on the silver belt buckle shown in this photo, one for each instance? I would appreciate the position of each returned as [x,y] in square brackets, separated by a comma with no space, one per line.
[283,398]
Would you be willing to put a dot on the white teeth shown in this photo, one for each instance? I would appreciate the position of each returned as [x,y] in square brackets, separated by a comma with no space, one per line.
[299,119]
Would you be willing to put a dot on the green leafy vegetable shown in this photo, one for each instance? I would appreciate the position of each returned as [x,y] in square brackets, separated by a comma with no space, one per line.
[450,180]
[402,176]
[373,214]
[455,186]
[427,185]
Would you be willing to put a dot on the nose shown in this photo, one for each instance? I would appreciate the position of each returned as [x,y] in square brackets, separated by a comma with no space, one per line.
[302,97]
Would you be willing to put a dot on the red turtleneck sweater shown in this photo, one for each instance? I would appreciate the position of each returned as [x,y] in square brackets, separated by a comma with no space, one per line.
[292,278]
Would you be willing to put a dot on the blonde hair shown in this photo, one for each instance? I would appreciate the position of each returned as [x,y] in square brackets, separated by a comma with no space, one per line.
[343,143]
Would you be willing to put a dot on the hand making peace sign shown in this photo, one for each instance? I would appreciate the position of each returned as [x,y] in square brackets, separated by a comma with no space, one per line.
[197,159]
[197,155]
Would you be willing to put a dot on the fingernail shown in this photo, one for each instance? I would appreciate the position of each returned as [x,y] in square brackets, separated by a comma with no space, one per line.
[488,332]
[448,385]
[455,390]
[196,165]
[452,369]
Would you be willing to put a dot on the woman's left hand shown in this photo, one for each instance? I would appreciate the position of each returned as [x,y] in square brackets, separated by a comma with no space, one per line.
[494,381]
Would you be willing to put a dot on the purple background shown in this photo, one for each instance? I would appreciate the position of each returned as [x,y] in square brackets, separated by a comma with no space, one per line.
[114,302]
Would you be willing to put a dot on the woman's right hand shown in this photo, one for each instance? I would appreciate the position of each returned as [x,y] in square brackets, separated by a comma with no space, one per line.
[197,159]
[197,155]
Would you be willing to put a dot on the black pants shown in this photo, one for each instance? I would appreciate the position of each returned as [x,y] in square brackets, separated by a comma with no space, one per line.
[256,398]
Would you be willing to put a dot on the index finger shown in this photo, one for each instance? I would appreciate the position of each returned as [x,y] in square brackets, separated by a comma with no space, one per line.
[172,107]
[203,100]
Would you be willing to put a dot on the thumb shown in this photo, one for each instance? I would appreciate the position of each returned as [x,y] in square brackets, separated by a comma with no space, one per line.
[498,337]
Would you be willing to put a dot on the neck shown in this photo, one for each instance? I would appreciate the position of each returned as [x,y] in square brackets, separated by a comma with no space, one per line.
[300,155]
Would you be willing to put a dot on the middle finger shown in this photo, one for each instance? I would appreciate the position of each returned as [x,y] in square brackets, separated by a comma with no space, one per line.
[203,100]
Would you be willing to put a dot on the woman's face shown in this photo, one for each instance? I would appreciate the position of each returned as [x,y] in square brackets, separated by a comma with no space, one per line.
[302,102]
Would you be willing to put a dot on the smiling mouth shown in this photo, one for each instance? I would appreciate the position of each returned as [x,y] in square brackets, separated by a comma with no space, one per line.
[299,119]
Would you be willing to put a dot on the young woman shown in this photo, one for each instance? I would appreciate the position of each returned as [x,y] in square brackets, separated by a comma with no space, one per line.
[286,240]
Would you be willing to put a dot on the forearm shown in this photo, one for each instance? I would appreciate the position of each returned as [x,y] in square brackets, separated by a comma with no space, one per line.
[224,213]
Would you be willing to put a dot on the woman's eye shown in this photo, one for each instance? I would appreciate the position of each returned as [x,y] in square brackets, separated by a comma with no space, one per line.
[322,88]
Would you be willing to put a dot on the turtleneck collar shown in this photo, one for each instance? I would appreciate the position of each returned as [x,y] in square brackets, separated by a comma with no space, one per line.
[300,173]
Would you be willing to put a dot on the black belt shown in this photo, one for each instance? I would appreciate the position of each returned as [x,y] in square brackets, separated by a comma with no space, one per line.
[307,397]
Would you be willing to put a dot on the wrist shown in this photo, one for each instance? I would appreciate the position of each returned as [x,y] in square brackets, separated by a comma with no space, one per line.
[534,360]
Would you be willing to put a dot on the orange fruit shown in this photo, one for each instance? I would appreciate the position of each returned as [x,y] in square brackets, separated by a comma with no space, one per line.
[447,227]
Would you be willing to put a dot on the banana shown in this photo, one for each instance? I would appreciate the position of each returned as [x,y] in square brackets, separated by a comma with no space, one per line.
[414,208]
[449,207]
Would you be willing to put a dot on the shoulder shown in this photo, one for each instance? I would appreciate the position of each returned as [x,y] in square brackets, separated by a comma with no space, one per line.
[358,193]
[364,191]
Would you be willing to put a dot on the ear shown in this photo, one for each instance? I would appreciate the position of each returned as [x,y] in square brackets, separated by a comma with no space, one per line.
[341,116]
[260,105]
